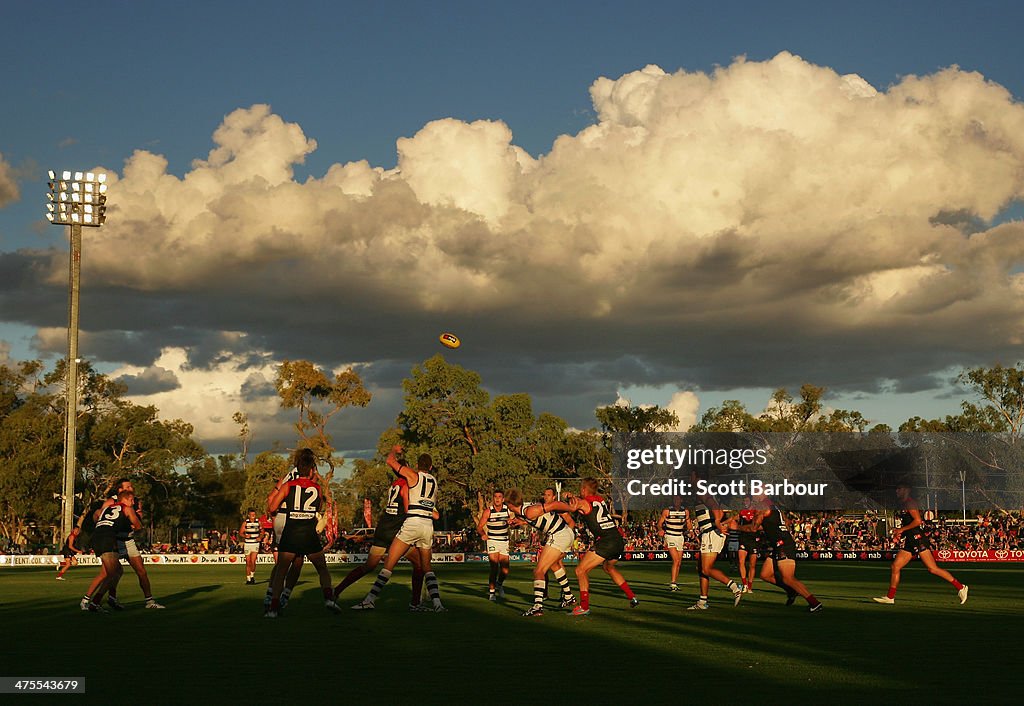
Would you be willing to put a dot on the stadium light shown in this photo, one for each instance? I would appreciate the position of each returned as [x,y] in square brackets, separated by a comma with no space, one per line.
[74,202]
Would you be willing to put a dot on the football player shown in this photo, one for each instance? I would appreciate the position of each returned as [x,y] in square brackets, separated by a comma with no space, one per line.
[779,567]
[672,525]
[70,551]
[711,530]
[549,517]
[494,529]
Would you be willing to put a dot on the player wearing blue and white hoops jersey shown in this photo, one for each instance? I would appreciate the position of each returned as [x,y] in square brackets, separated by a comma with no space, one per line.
[417,529]
[390,521]
[550,518]
[251,532]
[299,536]
[711,532]
[494,527]
[672,526]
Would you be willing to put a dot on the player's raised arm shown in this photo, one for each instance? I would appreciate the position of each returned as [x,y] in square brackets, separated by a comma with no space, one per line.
[400,470]
[579,505]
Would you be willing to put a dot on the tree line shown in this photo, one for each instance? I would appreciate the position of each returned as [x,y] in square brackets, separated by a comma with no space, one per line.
[478,441]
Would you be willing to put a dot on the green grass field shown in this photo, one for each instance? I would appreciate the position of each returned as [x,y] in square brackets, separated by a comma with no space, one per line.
[200,650]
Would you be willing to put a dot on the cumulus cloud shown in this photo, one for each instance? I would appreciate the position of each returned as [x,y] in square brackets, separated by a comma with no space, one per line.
[205,397]
[8,184]
[686,405]
[766,224]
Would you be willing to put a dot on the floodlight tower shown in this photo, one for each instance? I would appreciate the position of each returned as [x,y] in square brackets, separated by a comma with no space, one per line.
[74,202]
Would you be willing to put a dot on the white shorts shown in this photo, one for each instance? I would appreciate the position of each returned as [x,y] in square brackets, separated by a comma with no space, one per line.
[562,540]
[127,549]
[674,541]
[712,542]
[279,519]
[252,547]
[497,546]
[417,532]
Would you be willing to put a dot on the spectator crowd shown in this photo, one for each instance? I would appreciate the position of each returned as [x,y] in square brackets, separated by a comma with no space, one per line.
[813,532]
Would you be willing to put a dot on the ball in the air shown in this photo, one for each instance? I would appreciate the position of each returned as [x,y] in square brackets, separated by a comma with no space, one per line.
[450,340]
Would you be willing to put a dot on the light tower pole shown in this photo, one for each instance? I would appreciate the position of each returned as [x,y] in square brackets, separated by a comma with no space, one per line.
[76,202]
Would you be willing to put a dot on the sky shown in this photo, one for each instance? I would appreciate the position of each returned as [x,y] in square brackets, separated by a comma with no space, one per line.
[665,203]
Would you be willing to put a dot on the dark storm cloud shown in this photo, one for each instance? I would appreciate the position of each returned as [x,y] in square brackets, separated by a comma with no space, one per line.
[256,386]
[150,381]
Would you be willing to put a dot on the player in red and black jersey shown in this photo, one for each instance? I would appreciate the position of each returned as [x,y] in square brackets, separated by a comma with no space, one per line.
[608,544]
[299,537]
[751,546]
[779,566]
[127,549]
[115,518]
[915,543]
[70,551]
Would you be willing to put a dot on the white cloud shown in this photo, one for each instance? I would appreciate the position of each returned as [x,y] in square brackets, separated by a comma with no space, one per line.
[208,397]
[762,225]
[686,405]
[8,184]
[804,166]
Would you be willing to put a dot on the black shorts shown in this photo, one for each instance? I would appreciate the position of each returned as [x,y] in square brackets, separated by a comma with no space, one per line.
[610,546]
[300,540]
[68,554]
[749,543]
[386,530]
[103,542]
[916,543]
[784,548]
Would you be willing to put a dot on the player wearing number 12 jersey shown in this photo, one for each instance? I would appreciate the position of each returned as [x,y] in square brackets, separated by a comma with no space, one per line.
[417,529]
[299,537]
[608,544]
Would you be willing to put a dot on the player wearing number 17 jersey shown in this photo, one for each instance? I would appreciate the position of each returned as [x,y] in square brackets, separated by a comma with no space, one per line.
[299,537]
[607,548]
[417,529]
